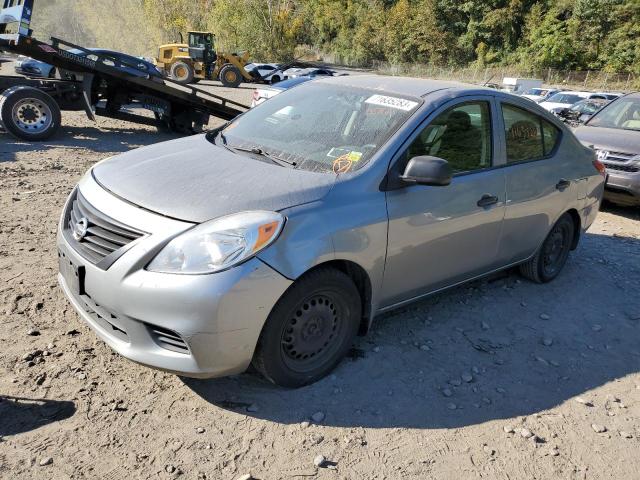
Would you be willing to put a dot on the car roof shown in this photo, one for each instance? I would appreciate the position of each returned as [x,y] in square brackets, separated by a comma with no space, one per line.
[415,87]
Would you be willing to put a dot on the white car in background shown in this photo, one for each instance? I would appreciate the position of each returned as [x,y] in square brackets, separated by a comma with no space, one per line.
[539,94]
[564,99]
[269,72]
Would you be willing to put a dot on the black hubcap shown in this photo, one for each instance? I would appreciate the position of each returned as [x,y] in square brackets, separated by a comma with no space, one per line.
[309,337]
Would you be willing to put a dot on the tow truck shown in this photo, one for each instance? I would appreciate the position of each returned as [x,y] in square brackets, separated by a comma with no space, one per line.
[99,84]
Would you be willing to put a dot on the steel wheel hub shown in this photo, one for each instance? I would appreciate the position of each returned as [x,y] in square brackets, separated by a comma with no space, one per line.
[31,115]
[554,249]
[311,330]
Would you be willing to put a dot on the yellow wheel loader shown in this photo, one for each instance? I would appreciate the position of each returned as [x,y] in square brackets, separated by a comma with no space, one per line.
[198,60]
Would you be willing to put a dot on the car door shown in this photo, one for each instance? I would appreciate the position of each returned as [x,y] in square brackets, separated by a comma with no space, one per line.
[541,180]
[439,236]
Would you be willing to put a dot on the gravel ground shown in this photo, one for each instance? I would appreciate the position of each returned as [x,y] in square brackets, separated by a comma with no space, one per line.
[499,378]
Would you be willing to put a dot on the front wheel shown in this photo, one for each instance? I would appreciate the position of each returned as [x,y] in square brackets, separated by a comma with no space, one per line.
[547,263]
[230,76]
[310,329]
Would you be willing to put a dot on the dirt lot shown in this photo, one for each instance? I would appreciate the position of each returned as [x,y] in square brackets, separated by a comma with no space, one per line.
[497,379]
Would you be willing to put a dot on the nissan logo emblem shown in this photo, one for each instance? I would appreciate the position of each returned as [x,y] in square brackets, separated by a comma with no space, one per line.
[602,155]
[80,229]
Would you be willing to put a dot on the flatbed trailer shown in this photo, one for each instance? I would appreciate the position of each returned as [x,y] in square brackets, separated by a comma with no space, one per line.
[99,85]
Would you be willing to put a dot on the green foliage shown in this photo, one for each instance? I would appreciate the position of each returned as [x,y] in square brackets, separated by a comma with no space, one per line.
[535,34]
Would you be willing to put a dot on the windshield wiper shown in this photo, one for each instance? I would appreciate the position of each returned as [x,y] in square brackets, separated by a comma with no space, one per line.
[263,153]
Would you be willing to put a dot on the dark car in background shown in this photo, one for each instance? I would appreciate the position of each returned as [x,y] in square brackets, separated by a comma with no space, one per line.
[580,112]
[264,93]
[136,66]
[614,132]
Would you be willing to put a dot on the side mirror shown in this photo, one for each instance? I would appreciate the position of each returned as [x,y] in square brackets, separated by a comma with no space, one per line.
[427,170]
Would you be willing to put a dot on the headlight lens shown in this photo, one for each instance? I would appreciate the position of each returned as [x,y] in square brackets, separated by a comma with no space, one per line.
[218,244]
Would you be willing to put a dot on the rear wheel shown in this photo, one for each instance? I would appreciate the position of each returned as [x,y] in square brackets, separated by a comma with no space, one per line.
[181,72]
[29,114]
[310,329]
[230,76]
[547,263]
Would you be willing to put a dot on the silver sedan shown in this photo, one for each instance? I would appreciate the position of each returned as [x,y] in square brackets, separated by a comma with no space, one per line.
[277,238]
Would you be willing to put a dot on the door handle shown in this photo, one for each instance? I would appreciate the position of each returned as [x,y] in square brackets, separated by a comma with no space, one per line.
[562,184]
[487,200]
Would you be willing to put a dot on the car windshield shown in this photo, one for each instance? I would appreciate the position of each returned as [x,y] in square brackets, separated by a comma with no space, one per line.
[623,113]
[586,106]
[564,98]
[321,127]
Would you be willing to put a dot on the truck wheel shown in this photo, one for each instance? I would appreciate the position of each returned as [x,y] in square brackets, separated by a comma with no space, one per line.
[29,114]
[181,72]
[230,76]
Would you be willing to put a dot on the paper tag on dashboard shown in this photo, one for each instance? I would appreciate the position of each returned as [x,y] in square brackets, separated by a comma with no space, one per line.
[392,102]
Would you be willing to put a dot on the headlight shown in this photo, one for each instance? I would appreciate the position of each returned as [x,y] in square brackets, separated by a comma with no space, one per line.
[218,244]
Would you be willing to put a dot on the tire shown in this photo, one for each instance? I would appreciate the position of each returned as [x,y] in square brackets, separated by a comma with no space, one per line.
[181,72]
[275,79]
[309,330]
[230,76]
[29,114]
[549,260]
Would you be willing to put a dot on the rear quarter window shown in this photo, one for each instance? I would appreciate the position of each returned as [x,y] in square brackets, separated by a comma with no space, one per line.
[528,136]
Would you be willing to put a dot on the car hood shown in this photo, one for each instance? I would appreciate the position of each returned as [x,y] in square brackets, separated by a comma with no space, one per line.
[193,180]
[612,139]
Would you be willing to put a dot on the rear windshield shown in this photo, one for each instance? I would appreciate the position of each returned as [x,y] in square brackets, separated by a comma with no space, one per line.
[322,127]
[623,113]
[564,98]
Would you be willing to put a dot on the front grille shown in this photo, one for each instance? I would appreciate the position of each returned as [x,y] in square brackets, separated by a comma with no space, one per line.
[103,236]
[618,156]
[168,339]
[621,168]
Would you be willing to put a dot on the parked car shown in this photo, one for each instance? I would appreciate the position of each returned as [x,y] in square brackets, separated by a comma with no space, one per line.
[563,99]
[580,112]
[263,93]
[278,237]
[309,72]
[539,94]
[614,132]
[136,66]
[34,68]
[605,95]
[268,72]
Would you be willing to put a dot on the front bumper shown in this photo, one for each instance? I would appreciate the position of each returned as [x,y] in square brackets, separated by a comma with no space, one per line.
[628,182]
[192,325]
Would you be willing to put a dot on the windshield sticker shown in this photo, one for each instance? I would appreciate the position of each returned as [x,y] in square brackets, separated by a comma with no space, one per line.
[344,153]
[354,156]
[336,152]
[342,165]
[392,102]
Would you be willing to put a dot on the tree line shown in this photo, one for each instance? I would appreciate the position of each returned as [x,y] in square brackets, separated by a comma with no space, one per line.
[536,34]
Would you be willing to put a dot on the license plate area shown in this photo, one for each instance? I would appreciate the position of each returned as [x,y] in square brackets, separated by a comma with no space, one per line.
[72,273]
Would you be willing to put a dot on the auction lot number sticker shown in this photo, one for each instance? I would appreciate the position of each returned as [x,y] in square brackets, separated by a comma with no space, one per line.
[393,102]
